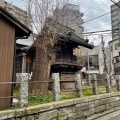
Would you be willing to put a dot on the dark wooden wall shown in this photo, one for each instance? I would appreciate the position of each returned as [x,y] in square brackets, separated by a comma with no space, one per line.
[7,37]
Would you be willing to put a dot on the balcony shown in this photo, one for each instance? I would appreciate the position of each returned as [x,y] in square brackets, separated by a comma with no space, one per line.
[66,62]
[117,65]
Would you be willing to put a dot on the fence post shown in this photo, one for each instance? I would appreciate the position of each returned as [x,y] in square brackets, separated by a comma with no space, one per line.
[78,82]
[23,90]
[117,77]
[56,86]
[108,86]
[94,84]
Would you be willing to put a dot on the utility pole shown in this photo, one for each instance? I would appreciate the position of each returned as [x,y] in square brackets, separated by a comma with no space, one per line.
[88,66]
[104,56]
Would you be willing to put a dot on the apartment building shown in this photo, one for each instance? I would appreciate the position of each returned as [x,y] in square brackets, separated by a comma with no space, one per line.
[113,60]
[115,19]
[2,3]
[96,60]
[70,16]
[19,13]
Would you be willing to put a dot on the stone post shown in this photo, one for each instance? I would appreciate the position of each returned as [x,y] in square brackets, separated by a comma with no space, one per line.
[56,86]
[94,84]
[78,82]
[23,89]
[117,77]
[108,86]
[113,83]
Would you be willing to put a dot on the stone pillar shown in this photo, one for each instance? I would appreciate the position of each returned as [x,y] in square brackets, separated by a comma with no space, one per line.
[23,90]
[113,82]
[94,84]
[24,63]
[56,86]
[108,86]
[78,82]
[117,78]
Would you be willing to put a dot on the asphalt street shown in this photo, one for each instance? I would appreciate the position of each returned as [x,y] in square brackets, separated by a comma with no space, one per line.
[111,116]
[115,118]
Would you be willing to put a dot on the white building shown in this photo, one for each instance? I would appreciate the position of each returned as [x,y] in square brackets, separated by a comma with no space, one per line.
[115,19]
[112,53]
[96,60]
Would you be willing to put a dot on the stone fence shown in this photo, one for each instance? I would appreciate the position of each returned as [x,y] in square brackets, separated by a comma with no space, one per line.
[56,87]
[74,109]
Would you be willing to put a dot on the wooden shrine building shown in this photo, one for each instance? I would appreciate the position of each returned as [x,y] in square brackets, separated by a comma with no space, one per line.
[10,30]
[65,61]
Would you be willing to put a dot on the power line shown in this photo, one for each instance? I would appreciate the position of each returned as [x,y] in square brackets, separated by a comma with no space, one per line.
[99,31]
[97,17]
[104,4]
[115,3]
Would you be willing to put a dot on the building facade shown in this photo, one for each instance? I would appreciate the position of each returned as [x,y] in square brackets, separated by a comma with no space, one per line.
[2,3]
[96,60]
[113,57]
[19,13]
[70,16]
[115,19]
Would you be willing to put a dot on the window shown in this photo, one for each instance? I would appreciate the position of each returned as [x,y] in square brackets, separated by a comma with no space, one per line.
[116,46]
[18,64]
[93,60]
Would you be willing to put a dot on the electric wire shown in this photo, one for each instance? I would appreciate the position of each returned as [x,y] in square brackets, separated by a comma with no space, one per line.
[97,17]
[99,31]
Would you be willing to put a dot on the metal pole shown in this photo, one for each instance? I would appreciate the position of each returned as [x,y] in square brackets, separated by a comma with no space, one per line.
[88,66]
[88,77]
[88,69]
[119,35]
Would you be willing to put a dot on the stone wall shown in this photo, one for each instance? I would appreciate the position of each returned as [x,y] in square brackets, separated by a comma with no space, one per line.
[73,109]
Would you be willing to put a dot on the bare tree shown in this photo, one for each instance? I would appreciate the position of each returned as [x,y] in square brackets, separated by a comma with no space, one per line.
[48,28]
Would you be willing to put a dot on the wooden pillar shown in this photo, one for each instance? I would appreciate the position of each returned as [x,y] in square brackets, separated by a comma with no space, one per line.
[24,63]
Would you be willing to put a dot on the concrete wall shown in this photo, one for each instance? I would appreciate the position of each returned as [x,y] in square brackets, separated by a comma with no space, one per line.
[74,109]
[2,3]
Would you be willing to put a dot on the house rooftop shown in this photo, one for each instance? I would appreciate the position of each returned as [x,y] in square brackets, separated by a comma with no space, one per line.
[20,29]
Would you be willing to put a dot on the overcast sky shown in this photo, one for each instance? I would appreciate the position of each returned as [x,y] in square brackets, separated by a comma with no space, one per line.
[91,9]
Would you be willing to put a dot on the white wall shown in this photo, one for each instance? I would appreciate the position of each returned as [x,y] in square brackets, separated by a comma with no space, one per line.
[97,50]
[111,54]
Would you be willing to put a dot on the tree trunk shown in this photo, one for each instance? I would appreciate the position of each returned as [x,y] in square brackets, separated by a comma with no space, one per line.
[42,67]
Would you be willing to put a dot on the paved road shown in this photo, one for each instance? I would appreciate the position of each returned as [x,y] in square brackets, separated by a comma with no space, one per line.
[115,118]
[111,116]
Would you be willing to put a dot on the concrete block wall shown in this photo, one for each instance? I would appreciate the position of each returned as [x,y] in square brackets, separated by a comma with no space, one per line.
[73,109]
